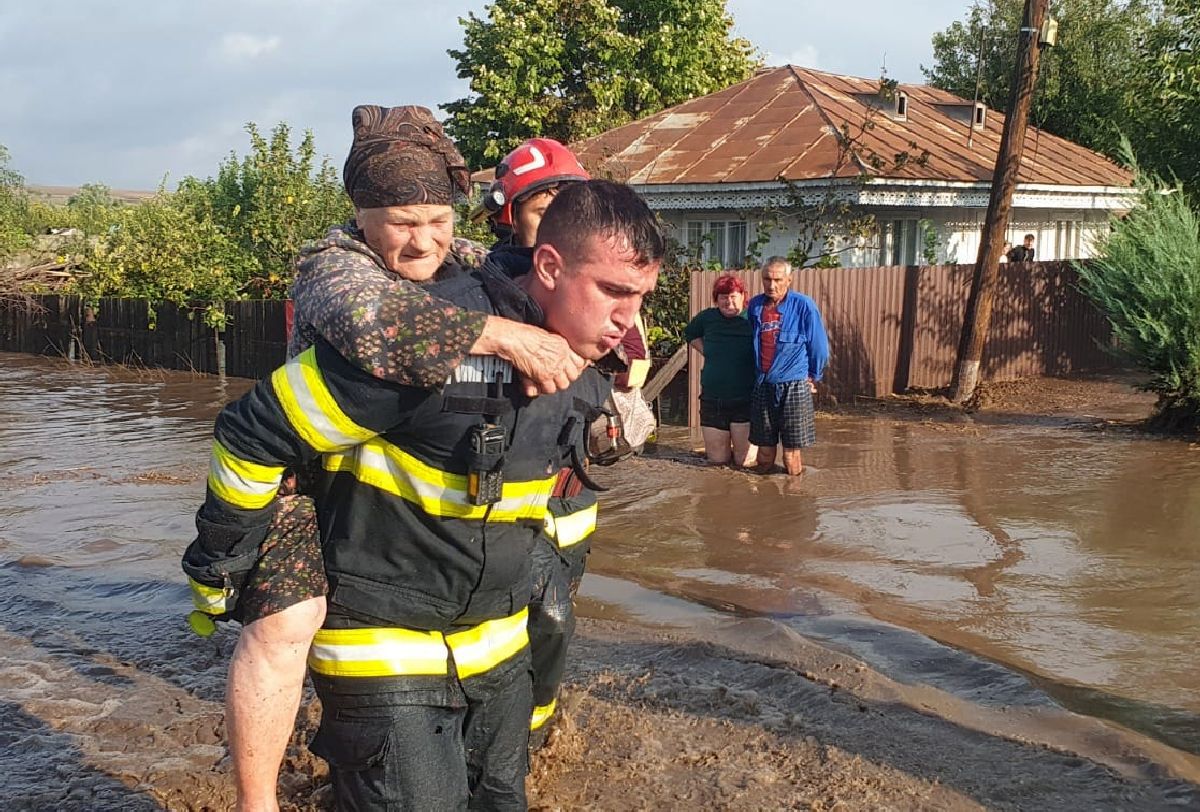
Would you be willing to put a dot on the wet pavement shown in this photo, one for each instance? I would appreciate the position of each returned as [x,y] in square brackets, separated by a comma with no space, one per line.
[1017,564]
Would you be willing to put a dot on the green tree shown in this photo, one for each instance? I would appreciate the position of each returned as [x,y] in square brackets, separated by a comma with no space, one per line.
[568,69]
[1167,135]
[92,209]
[1091,84]
[270,202]
[232,236]
[1147,281]
[14,208]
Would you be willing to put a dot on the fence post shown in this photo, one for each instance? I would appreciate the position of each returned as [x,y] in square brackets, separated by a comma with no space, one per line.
[219,350]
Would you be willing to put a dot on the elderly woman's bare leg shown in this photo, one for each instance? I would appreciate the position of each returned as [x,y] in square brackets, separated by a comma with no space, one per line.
[266,677]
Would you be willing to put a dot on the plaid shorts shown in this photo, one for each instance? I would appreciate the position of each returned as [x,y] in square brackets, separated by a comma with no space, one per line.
[290,568]
[782,411]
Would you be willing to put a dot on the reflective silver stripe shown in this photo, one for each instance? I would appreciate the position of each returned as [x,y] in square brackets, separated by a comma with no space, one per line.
[239,482]
[481,369]
[311,408]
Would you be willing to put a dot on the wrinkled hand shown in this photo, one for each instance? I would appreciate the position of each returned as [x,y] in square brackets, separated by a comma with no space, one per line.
[546,362]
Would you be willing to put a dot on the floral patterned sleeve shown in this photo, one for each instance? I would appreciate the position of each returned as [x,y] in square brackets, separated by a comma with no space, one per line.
[385,325]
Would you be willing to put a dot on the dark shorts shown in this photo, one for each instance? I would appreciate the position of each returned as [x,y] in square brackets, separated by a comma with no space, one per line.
[290,568]
[719,414]
[782,411]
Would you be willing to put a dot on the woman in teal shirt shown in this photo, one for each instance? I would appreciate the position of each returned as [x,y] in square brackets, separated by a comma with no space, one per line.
[724,337]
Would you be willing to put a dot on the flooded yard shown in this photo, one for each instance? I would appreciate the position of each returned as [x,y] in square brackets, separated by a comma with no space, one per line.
[1006,560]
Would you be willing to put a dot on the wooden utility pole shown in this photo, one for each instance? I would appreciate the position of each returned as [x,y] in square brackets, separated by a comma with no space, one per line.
[1004,180]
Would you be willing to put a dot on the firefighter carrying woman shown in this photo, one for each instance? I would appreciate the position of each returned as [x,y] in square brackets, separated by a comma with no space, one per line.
[359,319]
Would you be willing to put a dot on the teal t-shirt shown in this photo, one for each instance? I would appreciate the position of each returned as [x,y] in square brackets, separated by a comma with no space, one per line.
[728,372]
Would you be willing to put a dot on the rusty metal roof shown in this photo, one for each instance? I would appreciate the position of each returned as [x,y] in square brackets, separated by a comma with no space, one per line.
[784,122]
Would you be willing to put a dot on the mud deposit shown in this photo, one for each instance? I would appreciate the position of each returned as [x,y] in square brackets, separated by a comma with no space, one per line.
[948,611]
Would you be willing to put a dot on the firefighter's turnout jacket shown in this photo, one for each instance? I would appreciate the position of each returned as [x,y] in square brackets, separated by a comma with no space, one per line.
[423,582]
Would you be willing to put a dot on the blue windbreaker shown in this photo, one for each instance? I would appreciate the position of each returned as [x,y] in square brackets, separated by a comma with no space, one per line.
[801,349]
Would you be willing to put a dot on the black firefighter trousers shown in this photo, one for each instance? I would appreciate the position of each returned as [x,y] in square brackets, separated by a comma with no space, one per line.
[422,743]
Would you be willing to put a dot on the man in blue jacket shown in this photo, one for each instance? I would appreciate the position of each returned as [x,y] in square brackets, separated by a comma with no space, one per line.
[790,350]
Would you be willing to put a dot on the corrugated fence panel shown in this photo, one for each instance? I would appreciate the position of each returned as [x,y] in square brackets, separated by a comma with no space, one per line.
[894,329]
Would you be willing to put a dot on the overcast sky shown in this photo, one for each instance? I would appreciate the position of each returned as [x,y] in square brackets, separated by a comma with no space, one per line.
[127,92]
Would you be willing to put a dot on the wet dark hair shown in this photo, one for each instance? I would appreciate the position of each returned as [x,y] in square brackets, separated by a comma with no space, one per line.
[601,208]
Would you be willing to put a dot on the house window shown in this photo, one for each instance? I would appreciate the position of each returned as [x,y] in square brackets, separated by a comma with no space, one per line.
[899,242]
[901,105]
[1067,240]
[722,241]
[980,116]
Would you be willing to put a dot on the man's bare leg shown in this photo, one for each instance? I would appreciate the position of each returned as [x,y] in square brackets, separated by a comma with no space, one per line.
[744,452]
[766,459]
[716,445]
[266,678]
[792,461]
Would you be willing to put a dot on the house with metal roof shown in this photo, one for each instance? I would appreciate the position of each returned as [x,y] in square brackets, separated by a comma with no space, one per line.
[748,164]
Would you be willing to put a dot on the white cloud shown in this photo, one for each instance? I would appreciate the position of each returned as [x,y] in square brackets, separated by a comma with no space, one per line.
[240,47]
[806,56]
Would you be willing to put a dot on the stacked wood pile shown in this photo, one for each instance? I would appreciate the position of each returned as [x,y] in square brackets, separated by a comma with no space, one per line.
[48,267]
[43,277]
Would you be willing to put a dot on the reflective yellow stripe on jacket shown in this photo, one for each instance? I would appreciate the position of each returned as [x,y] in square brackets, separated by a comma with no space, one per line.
[572,528]
[394,652]
[210,600]
[541,714]
[310,407]
[438,493]
[241,483]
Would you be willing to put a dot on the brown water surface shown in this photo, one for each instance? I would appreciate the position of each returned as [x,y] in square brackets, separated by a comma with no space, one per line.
[1014,564]
[1054,563]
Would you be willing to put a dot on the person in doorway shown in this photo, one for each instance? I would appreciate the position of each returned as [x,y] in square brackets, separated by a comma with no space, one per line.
[790,352]
[723,335]
[422,663]
[1023,252]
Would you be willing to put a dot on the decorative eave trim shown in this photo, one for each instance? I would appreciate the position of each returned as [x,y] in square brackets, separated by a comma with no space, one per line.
[881,193]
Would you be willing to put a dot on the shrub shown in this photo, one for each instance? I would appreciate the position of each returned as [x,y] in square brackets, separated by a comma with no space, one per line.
[1147,281]
[167,250]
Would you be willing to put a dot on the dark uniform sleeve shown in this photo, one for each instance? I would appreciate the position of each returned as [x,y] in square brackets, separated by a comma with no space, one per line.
[385,325]
[317,403]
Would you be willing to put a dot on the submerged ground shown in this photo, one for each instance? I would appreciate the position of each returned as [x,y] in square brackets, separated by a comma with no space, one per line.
[950,611]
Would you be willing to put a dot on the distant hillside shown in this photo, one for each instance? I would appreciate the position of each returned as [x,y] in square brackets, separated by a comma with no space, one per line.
[61,194]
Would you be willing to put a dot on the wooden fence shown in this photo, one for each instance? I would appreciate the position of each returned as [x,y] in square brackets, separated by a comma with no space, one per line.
[137,333]
[892,329]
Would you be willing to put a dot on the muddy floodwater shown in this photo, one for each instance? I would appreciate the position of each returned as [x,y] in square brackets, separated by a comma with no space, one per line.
[1009,561]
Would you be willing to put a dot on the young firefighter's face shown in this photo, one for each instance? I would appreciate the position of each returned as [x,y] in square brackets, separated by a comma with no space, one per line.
[596,295]
[527,216]
[412,240]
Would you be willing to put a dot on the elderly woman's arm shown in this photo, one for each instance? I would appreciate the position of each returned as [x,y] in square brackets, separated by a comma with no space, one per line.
[396,331]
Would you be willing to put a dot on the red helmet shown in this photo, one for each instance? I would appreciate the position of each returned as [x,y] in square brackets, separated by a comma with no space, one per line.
[537,164]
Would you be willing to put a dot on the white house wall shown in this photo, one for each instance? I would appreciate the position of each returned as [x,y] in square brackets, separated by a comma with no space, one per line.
[1059,233]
